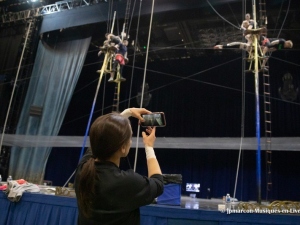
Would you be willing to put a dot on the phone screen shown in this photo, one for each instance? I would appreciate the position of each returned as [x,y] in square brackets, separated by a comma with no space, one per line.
[154,120]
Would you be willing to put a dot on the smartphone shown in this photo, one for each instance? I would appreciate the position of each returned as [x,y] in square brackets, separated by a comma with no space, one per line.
[155,119]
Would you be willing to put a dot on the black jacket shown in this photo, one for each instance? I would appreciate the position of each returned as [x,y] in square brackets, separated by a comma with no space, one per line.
[119,194]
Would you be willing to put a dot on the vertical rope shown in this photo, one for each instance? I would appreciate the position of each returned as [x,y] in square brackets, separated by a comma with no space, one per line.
[242,114]
[93,106]
[129,26]
[113,24]
[15,84]
[103,97]
[134,53]
[144,79]
[109,21]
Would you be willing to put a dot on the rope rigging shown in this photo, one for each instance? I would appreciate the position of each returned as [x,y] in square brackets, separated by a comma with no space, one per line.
[237,27]
[125,30]
[118,60]
[134,52]
[115,54]
[261,57]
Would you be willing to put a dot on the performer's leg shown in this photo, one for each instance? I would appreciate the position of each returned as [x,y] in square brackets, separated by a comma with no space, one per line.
[121,70]
[248,38]
[265,50]
[218,46]
[234,43]
[263,65]
[112,74]
[226,46]
[245,47]
[265,59]
[231,45]
[276,42]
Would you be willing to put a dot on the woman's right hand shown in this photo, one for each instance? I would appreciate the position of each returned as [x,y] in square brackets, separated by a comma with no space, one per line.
[149,139]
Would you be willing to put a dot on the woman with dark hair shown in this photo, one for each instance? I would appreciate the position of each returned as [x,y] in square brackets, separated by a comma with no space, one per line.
[105,193]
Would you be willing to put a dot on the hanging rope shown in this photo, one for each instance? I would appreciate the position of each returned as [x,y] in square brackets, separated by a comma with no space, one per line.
[129,26]
[91,115]
[144,79]
[134,52]
[113,23]
[109,16]
[278,18]
[286,14]
[103,98]
[233,14]
[222,16]
[104,66]
[15,85]
[242,114]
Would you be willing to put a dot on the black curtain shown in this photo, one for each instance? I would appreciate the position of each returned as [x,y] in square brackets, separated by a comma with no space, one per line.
[201,97]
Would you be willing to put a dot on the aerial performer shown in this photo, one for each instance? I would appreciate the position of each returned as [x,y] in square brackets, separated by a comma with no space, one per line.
[234,45]
[249,20]
[117,45]
[273,44]
[106,44]
[120,57]
[266,44]
[247,24]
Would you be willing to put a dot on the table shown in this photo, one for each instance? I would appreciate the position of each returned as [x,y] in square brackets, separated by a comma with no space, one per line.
[57,210]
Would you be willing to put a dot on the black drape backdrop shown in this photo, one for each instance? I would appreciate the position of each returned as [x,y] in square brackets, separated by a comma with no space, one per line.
[214,169]
[201,97]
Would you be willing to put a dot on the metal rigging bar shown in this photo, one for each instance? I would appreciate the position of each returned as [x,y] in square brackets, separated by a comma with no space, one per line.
[22,15]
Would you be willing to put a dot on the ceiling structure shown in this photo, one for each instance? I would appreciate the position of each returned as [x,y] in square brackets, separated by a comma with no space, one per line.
[185,28]
[185,32]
